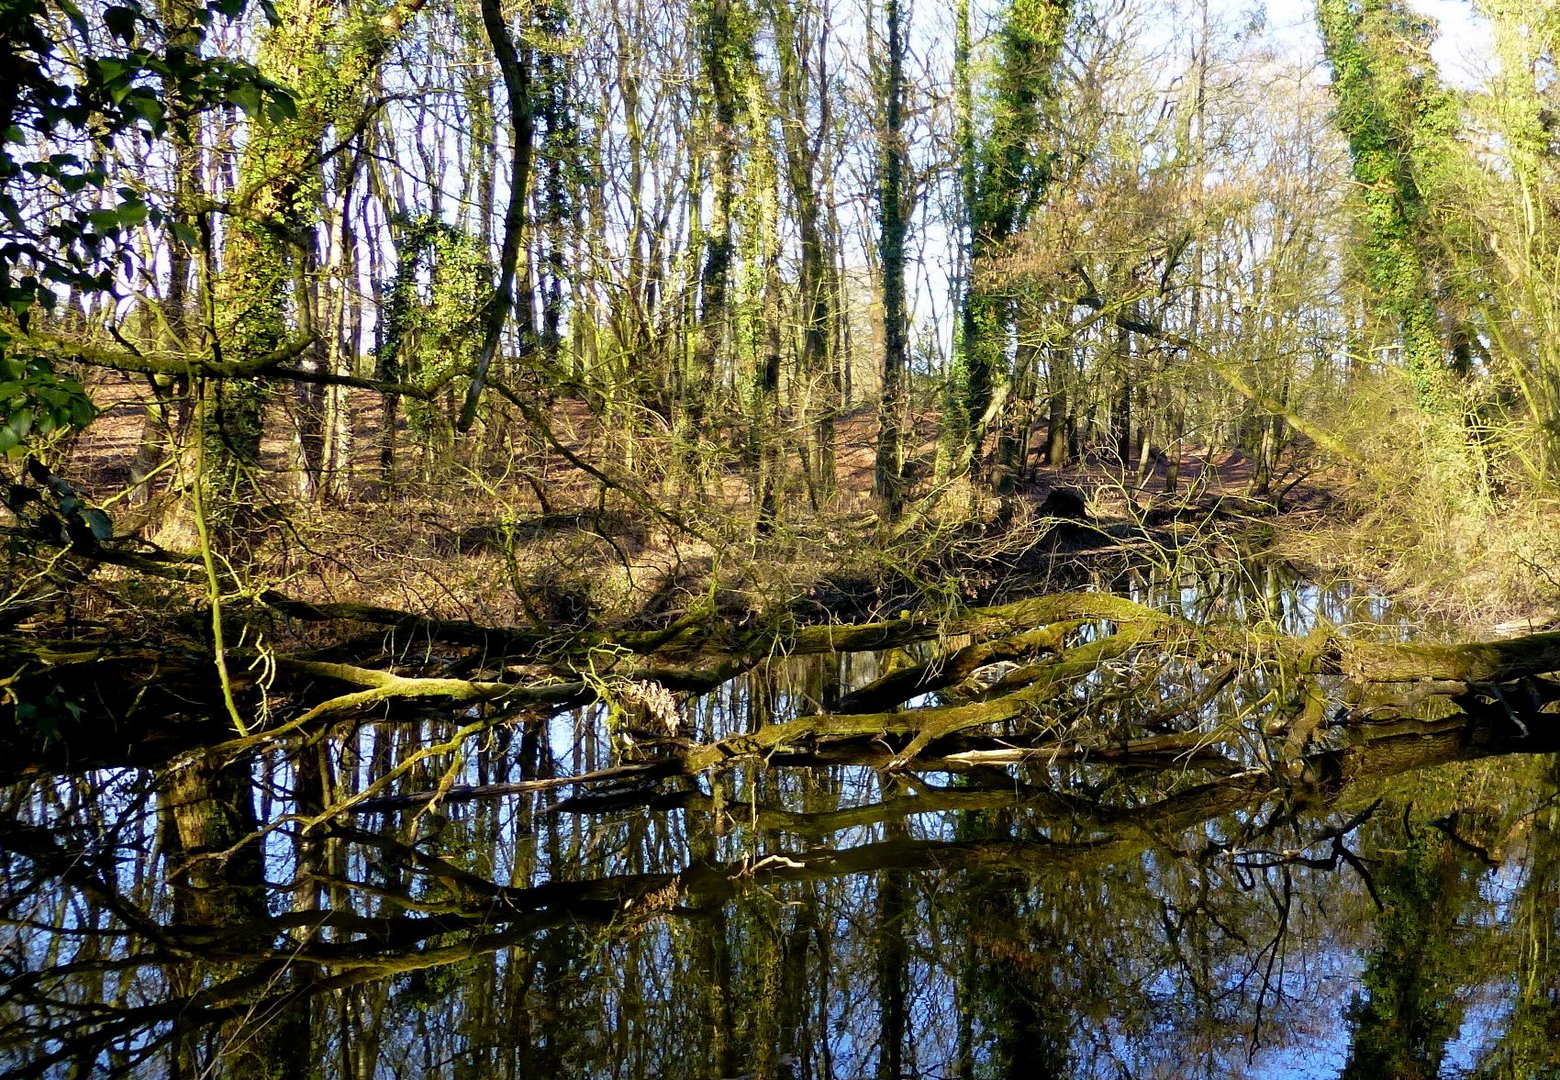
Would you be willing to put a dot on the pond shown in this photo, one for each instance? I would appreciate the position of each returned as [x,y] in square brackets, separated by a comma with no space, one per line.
[445,896]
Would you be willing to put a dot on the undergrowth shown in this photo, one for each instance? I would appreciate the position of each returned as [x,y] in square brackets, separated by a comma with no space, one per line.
[1442,512]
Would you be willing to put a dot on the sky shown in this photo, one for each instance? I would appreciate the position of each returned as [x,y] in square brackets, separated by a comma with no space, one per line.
[1463,51]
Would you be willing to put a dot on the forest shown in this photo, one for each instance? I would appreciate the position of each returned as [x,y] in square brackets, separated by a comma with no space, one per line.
[779,538]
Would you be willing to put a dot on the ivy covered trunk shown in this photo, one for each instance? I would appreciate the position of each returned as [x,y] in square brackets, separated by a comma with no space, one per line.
[1006,169]
[1399,122]
[888,477]
[263,299]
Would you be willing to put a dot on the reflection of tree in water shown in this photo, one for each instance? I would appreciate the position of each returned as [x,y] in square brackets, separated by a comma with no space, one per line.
[1038,933]
[1408,1008]
[1017,1008]
[216,881]
[1530,1044]
[1125,873]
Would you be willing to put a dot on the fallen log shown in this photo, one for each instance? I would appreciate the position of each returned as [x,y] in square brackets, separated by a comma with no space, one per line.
[921,725]
[85,704]
[945,671]
[1474,662]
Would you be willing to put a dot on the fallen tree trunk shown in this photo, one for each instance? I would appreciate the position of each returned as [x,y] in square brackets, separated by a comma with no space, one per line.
[1476,662]
[84,704]
[943,672]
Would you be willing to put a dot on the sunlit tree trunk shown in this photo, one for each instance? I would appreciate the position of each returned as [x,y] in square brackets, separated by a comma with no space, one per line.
[888,475]
[181,326]
[724,31]
[801,37]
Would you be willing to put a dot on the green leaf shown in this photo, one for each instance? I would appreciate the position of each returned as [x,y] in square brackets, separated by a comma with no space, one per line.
[146,105]
[281,107]
[120,22]
[73,13]
[112,68]
[132,213]
[247,97]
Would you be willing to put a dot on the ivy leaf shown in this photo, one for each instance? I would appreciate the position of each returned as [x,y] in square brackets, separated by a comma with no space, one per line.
[146,105]
[111,69]
[73,13]
[132,213]
[104,221]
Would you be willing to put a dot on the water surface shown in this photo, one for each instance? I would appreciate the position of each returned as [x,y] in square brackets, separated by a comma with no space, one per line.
[427,897]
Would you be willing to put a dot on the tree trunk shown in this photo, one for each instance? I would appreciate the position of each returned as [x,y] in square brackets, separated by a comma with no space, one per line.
[888,473]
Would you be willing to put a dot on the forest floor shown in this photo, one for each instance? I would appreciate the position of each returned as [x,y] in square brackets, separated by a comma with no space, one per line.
[505,531]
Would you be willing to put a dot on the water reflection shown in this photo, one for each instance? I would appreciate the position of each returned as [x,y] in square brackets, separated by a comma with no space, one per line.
[1269,592]
[440,898]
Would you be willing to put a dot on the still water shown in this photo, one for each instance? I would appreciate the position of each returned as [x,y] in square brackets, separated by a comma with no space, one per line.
[438,897]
